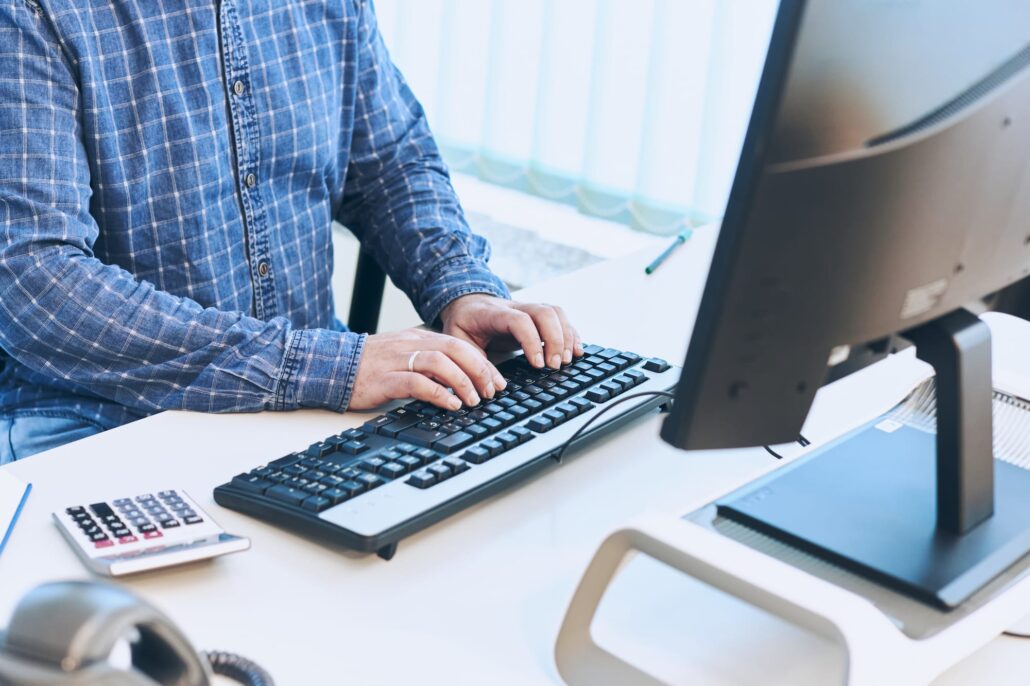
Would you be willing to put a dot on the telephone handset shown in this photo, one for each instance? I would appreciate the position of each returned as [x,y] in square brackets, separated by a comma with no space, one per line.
[63,634]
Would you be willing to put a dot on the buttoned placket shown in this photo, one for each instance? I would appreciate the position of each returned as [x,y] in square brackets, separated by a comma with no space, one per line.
[243,114]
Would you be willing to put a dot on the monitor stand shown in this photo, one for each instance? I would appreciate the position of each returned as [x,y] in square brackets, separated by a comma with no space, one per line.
[934,516]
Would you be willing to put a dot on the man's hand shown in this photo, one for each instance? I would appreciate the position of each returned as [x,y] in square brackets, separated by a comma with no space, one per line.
[483,320]
[442,362]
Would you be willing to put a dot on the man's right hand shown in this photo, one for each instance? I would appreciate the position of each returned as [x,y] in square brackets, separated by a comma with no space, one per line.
[443,362]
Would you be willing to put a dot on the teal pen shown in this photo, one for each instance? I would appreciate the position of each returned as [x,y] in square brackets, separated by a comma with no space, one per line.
[681,238]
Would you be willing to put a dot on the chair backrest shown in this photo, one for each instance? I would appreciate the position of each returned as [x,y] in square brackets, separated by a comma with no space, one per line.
[367,297]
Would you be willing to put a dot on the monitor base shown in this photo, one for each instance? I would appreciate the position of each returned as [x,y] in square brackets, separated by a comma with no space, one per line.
[868,504]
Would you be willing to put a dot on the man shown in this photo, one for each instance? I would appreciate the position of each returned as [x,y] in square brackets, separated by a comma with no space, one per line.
[168,175]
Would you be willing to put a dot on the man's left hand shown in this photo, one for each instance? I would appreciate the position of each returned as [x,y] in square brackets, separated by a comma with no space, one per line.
[543,331]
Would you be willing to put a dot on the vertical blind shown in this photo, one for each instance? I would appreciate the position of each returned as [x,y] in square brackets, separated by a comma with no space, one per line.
[631,110]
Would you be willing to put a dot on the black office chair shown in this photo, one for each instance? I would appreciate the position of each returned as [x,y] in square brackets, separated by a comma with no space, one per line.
[366,300]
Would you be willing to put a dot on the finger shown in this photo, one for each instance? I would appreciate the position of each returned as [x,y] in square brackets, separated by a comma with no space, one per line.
[521,327]
[442,369]
[472,361]
[550,330]
[569,336]
[420,387]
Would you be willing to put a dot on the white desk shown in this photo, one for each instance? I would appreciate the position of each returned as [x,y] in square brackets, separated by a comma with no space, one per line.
[477,599]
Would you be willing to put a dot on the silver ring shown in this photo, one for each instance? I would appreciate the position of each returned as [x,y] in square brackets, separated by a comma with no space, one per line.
[411,360]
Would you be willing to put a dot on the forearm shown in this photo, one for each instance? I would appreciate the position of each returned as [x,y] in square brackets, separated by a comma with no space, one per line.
[92,325]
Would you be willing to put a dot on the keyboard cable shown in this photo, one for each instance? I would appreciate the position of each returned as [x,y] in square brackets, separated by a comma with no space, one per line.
[579,432]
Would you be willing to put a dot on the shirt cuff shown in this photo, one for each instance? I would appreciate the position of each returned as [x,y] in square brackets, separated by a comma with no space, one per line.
[454,278]
[319,369]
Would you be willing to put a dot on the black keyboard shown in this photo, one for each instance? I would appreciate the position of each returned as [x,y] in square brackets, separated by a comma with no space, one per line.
[416,464]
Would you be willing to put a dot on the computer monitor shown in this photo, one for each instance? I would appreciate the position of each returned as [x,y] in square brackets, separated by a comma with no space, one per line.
[883,186]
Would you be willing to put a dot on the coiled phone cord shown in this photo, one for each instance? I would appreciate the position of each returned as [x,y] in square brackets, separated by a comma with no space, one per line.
[238,668]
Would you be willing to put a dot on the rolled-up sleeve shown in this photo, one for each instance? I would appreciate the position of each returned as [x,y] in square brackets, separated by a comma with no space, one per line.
[398,198]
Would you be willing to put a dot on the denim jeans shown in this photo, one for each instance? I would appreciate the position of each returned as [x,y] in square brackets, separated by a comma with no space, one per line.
[25,434]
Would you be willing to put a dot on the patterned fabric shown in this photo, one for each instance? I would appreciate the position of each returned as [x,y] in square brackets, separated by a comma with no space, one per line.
[169,171]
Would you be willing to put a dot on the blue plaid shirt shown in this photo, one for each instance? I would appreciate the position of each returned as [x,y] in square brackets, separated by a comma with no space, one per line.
[169,172]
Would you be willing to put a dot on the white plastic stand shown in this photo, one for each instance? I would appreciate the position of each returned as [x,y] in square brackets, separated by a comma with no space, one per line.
[876,651]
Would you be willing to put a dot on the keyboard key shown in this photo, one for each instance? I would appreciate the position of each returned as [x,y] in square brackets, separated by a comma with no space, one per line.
[354,447]
[582,403]
[540,424]
[405,448]
[592,349]
[352,487]
[457,466]
[508,440]
[545,398]
[597,395]
[421,437]
[567,409]
[454,442]
[638,376]
[606,368]
[555,416]
[609,352]
[491,424]
[336,495]
[532,405]
[519,412]
[440,471]
[493,446]
[477,430]
[505,418]
[392,470]
[410,462]
[370,481]
[373,425]
[251,483]
[656,365]
[624,382]
[371,464]
[426,455]
[506,403]
[422,479]
[332,481]
[613,388]
[316,503]
[353,435]
[295,469]
[476,455]
[287,494]
[594,374]
[523,433]
[314,487]
[320,449]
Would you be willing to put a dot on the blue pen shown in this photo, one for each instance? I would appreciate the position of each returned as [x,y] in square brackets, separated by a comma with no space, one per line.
[681,238]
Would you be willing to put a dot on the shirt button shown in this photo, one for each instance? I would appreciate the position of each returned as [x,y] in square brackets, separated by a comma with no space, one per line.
[238,88]
[263,269]
[251,180]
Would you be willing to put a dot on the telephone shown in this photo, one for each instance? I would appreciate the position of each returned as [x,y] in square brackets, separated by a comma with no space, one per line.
[63,634]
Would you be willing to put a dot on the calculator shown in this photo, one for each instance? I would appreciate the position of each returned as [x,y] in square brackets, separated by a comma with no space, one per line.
[143,533]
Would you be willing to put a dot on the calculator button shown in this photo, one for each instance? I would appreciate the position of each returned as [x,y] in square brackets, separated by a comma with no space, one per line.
[193,519]
[106,543]
[127,539]
[169,523]
[98,537]
[167,494]
[145,528]
[76,510]
[152,534]
[101,509]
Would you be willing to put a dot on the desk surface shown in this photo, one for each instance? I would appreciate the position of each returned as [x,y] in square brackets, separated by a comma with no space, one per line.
[478,598]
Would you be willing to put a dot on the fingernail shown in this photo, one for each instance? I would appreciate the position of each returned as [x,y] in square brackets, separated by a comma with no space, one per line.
[489,390]
[454,403]
[539,360]
[566,356]
[499,382]
[474,400]
[555,361]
